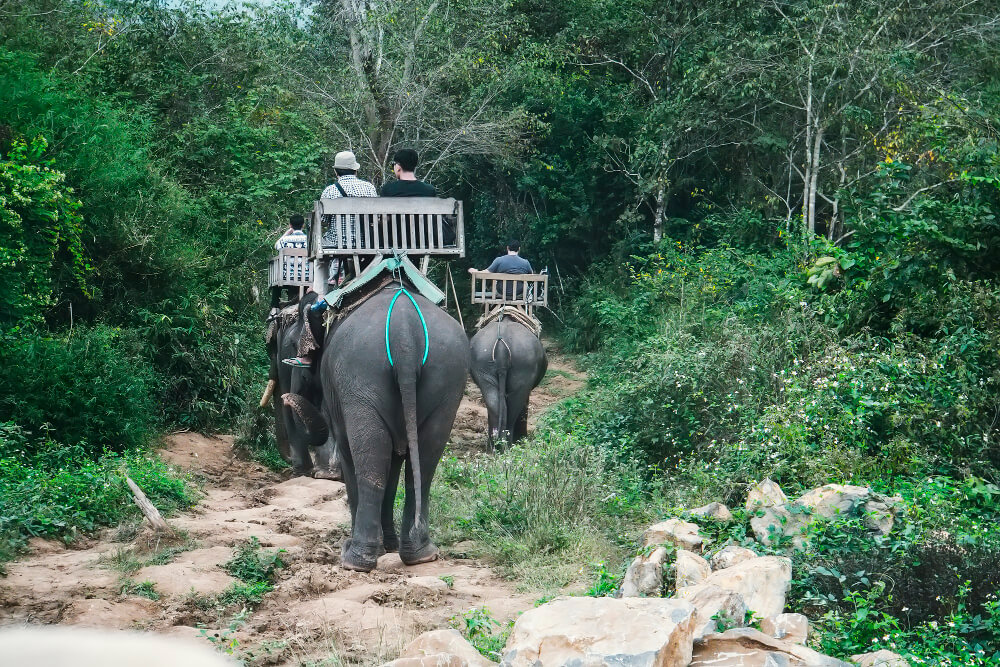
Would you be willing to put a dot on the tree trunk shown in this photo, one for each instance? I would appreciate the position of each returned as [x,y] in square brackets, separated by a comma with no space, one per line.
[658,219]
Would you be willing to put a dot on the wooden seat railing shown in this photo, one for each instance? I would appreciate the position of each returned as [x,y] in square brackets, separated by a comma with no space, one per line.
[352,227]
[522,290]
[291,267]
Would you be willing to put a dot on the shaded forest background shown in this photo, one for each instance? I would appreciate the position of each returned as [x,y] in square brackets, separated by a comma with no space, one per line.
[773,227]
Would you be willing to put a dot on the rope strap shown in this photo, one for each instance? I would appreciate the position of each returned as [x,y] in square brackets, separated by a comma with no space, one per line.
[423,323]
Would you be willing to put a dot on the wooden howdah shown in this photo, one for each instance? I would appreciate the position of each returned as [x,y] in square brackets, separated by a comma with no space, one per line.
[291,267]
[522,290]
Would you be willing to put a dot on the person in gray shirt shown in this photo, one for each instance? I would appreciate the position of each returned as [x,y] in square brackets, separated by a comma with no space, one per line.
[512,262]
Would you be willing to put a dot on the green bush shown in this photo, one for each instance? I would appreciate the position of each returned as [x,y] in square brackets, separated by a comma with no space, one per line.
[94,388]
[52,490]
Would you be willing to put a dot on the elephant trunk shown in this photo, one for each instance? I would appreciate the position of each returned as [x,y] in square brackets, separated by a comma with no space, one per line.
[310,418]
[268,392]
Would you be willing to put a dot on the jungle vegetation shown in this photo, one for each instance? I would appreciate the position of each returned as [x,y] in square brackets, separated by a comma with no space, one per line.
[773,224]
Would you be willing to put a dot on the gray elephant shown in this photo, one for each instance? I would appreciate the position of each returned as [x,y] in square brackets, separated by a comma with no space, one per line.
[508,361]
[391,389]
[303,438]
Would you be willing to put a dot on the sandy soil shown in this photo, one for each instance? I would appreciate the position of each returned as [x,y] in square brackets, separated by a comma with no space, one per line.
[318,613]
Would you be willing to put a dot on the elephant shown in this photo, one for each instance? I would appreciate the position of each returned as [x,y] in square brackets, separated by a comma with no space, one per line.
[391,390]
[303,440]
[508,361]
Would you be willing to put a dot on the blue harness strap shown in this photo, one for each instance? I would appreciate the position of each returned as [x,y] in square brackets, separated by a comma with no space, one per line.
[423,323]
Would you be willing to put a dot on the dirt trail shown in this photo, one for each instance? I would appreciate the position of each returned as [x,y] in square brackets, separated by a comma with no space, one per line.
[318,613]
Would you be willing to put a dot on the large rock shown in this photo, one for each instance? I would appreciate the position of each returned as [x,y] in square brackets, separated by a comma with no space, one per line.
[746,647]
[881,658]
[834,500]
[681,534]
[637,632]
[765,494]
[716,511]
[790,627]
[440,647]
[690,568]
[730,556]
[762,583]
[644,577]
[715,608]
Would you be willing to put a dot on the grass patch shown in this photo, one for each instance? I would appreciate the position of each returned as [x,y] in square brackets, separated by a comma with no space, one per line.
[57,491]
[484,632]
[142,589]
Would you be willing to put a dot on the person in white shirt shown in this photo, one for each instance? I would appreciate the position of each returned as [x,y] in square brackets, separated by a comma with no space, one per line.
[294,237]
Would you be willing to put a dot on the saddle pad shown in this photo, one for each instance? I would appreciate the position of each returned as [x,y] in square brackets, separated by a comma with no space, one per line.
[389,266]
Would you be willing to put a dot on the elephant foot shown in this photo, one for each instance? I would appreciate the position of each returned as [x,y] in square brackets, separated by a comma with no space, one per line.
[333,474]
[350,559]
[391,543]
[425,554]
[298,471]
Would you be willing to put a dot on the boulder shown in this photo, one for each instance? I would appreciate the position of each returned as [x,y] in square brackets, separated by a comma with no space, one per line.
[681,534]
[762,583]
[878,516]
[746,647]
[691,569]
[716,511]
[765,494]
[441,647]
[790,627]
[731,555]
[881,658]
[834,500]
[644,577]
[714,607]
[650,632]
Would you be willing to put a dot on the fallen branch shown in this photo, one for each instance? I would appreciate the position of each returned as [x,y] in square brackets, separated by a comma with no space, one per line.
[150,512]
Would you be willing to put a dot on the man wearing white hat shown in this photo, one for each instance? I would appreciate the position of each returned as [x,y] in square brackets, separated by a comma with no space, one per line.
[347,184]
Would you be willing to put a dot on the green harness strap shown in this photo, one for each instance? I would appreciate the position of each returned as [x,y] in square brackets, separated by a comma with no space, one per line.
[423,322]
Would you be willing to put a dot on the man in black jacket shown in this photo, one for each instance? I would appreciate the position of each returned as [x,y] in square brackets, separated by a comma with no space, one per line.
[406,183]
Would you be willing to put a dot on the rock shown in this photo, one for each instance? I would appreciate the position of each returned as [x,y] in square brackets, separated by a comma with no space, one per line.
[834,500]
[790,627]
[746,647]
[878,516]
[716,511]
[441,647]
[645,575]
[731,555]
[603,631]
[691,569]
[765,494]
[771,524]
[89,647]
[433,660]
[762,583]
[682,534]
[881,658]
[714,606]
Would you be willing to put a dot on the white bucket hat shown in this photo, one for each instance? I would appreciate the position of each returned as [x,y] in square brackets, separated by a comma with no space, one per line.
[345,160]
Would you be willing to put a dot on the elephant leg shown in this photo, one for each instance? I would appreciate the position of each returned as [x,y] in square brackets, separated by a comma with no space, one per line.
[327,462]
[298,445]
[370,450]
[521,425]
[390,538]
[281,432]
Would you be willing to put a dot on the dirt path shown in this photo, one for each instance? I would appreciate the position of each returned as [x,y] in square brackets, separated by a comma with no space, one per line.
[318,614]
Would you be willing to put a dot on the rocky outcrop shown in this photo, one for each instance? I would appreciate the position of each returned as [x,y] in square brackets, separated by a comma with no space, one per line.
[790,627]
[716,511]
[730,556]
[690,569]
[762,582]
[747,647]
[681,534]
[881,658]
[765,494]
[603,631]
[444,648]
[715,608]
[644,577]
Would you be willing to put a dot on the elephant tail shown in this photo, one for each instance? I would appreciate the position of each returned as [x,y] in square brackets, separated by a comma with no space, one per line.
[310,418]
[502,360]
[406,378]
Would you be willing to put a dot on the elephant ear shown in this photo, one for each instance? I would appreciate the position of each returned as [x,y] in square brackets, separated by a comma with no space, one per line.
[308,418]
